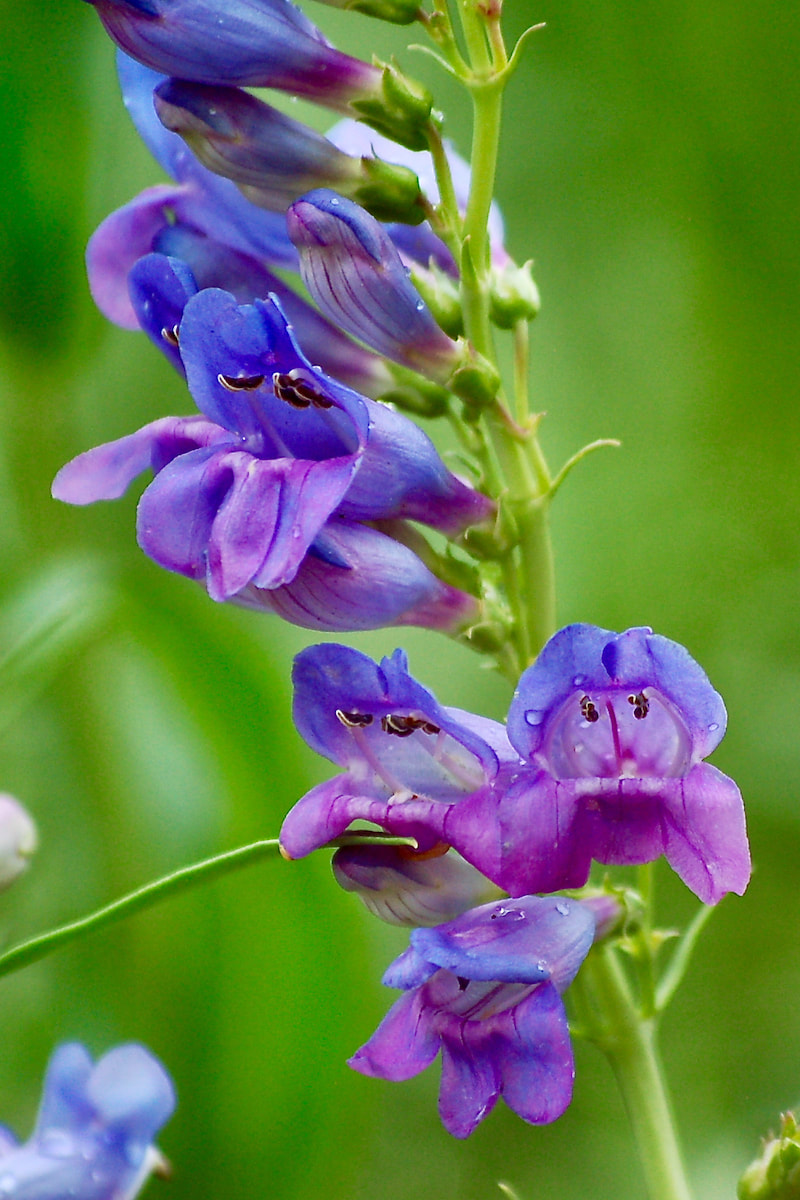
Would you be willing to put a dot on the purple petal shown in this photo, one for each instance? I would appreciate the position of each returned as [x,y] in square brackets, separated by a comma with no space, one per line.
[470,1085]
[159,289]
[104,472]
[704,835]
[534,1060]
[129,1088]
[403,1044]
[514,941]
[120,241]
[386,584]
[64,1101]
[353,271]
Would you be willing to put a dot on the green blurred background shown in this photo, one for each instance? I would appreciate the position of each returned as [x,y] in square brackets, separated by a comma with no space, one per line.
[651,166]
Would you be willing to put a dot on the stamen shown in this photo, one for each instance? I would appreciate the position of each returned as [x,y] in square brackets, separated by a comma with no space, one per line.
[171,335]
[354,720]
[641,705]
[588,710]
[400,726]
[241,383]
[297,391]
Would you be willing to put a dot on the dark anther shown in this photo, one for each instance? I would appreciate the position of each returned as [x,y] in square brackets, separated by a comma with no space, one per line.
[641,705]
[588,710]
[297,391]
[429,727]
[354,720]
[171,335]
[463,984]
[400,726]
[241,383]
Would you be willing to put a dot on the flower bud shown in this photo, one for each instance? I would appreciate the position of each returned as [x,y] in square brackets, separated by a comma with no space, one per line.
[352,269]
[274,159]
[513,296]
[402,109]
[775,1174]
[18,839]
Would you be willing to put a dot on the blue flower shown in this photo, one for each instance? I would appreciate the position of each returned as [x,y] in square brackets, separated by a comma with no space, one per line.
[612,729]
[287,464]
[485,989]
[95,1128]
[409,763]
[255,43]
[353,270]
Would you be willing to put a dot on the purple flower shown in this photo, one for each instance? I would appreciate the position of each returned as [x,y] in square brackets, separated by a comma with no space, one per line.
[95,1128]
[273,158]
[18,839]
[613,728]
[485,989]
[255,43]
[353,270]
[242,497]
[409,763]
[404,887]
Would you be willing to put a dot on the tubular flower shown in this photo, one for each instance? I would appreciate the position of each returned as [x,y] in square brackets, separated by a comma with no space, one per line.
[405,887]
[353,270]
[285,464]
[409,763]
[613,729]
[95,1128]
[485,989]
[255,43]
[222,239]
[274,159]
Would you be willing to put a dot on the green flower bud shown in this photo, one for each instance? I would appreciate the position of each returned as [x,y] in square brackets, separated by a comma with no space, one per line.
[389,192]
[399,12]
[401,112]
[513,296]
[440,292]
[775,1174]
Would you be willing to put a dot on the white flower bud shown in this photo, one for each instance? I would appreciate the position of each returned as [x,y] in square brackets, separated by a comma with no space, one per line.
[18,839]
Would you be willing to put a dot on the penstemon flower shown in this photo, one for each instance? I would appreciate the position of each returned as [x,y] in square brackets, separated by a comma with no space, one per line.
[95,1128]
[287,463]
[613,728]
[409,762]
[485,989]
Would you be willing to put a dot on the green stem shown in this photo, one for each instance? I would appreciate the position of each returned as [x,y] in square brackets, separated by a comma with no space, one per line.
[487,102]
[164,889]
[629,1043]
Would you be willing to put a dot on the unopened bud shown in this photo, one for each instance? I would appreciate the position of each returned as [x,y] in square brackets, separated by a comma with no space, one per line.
[17,839]
[514,295]
[775,1174]
[401,111]
[440,292]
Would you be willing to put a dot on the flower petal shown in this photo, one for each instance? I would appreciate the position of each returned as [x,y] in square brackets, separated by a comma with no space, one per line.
[470,1085]
[705,837]
[403,1044]
[534,1060]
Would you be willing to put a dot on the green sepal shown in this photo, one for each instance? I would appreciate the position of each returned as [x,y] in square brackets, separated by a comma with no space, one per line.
[475,381]
[389,192]
[399,12]
[401,111]
[513,295]
[414,394]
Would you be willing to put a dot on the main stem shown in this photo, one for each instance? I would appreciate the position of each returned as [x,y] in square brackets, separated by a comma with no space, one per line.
[629,1043]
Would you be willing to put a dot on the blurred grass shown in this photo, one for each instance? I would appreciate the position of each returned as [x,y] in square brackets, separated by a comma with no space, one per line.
[651,167]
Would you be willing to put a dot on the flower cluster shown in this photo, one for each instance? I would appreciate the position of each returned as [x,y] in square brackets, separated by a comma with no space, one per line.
[601,759]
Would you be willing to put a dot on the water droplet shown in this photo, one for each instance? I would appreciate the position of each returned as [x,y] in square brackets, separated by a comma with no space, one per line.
[295,533]
[8,1185]
[534,716]
[334,201]
[578,680]
[713,727]
[420,305]
[563,909]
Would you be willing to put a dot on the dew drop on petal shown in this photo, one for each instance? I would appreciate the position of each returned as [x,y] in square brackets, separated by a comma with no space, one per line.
[534,716]
[563,909]
[420,305]
[713,727]
[577,680]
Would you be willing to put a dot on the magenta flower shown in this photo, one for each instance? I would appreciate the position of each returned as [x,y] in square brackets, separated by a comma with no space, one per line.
[613,729]
[485,989]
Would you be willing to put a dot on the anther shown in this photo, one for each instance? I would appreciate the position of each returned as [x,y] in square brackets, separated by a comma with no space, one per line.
[354,720]
[171,335]
[241,383]
[400,726]
[641,705]
[588,710]
[297,391]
